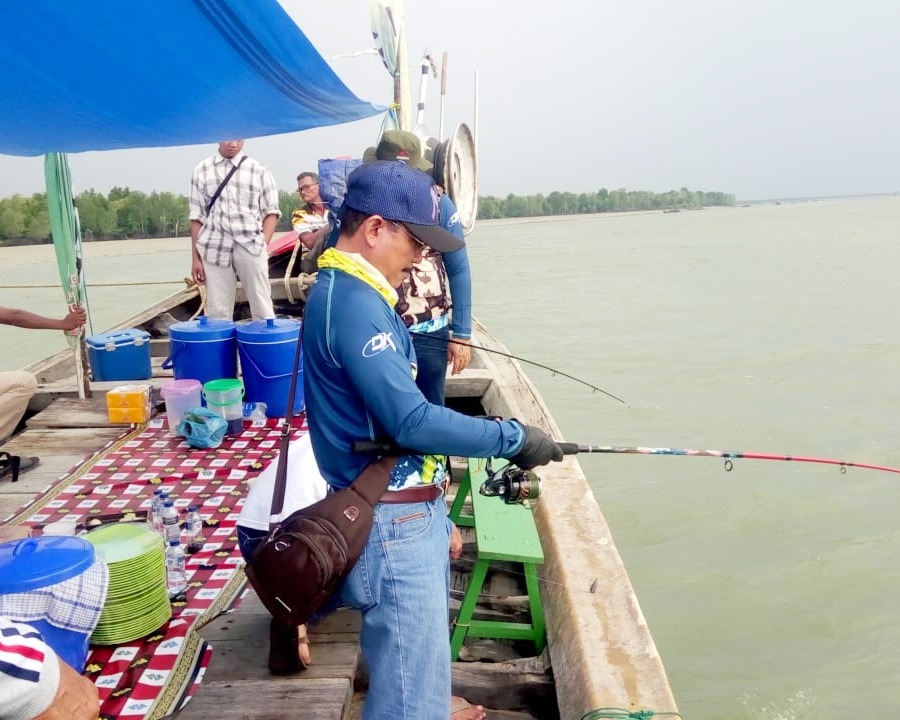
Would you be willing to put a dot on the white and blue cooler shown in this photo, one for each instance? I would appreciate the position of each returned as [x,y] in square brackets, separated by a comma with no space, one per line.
[120,355]
[57,585]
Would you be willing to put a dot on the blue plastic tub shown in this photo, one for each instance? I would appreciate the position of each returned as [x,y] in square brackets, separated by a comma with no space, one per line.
[203,349]
[266,348]
[33,564]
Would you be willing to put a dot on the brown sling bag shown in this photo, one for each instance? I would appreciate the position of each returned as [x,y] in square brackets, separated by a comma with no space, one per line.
[306,556]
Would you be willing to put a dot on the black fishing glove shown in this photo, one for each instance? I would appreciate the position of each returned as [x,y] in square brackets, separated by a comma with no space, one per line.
[538,449]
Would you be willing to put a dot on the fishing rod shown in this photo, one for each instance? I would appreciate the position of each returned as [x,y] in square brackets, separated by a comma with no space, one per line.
[514,485]
[728,455]
[552,371]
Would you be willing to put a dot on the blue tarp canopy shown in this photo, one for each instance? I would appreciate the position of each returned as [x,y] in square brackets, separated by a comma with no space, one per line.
[102,75]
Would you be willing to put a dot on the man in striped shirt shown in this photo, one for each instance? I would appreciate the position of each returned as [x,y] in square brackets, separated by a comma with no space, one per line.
[35,684]
[233,212]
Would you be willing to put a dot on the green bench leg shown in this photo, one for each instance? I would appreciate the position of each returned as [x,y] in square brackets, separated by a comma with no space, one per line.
[536,630]
[538,625]
[466,610]
[462,492]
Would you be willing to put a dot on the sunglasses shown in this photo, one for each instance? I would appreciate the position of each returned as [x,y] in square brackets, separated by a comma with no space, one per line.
[418,243]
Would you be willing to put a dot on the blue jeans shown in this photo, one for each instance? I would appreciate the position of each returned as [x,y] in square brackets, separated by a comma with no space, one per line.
[401,583]
[431,355]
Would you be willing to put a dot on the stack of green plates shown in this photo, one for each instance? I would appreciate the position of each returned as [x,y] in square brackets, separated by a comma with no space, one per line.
[137,602]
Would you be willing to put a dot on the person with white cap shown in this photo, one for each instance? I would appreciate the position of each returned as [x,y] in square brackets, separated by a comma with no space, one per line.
[359,368]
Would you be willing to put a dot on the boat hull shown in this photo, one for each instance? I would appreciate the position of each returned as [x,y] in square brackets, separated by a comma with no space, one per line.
[600,647]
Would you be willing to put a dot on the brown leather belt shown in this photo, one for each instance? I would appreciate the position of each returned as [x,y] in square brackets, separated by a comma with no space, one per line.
[425,493]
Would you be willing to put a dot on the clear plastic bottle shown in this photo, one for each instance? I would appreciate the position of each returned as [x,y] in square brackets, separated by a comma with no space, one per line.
[158,513]
[255,412]
[193,525]
[171,526]
[154,509]
[176,575]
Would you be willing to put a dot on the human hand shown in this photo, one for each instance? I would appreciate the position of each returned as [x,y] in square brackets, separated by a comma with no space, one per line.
[309,239]
[197,271]
[75,318]
[459,353]
[456,542]
[538,449]
[76,697]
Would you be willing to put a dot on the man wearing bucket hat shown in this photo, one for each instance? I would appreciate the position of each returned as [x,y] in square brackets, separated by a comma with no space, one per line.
[438,288]
[359,368]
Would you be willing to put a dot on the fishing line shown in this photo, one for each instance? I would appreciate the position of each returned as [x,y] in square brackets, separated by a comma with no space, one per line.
[553,371]
[727,455]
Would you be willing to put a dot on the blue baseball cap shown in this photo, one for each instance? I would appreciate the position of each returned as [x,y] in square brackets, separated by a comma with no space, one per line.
[400,193]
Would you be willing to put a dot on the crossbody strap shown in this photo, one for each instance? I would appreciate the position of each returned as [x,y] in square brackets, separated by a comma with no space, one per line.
[215,195]
[281,471]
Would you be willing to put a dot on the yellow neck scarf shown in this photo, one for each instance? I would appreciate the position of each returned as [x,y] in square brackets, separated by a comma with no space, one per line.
[356,265]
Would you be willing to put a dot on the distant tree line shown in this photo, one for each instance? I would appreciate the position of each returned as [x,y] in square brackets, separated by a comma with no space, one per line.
[125,213]
[567,203]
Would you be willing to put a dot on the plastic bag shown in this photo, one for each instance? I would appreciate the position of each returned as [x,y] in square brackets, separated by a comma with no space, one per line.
[333,173]
[202,428]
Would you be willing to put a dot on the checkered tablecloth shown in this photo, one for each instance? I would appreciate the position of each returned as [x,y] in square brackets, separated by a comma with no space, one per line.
[155,675]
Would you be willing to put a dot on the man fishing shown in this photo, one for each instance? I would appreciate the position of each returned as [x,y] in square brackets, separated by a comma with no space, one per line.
[359,370]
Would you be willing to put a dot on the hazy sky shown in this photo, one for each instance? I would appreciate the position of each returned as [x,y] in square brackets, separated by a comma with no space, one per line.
[761,99]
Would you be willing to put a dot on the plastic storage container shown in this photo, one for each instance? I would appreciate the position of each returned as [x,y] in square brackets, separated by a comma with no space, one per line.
[203,349]
[128,403]
[267,348]
[225,397]
[180,396]
[120,355]
[34,565]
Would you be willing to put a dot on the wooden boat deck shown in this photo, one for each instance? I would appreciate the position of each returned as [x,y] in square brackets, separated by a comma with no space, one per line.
[237,683]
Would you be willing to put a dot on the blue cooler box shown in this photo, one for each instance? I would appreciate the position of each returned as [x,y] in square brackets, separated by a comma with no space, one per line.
[120,355]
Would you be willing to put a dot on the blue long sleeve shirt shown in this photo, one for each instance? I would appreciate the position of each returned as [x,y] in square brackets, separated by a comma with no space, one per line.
[359,368]
[459,277]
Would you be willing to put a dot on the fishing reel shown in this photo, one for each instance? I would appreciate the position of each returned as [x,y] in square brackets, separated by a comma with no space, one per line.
[512,484]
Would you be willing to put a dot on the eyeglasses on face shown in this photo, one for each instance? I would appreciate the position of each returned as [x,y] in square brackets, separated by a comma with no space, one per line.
[304,188]
[418,243]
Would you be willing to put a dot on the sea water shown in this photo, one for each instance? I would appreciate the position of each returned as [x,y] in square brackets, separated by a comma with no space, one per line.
[769,590]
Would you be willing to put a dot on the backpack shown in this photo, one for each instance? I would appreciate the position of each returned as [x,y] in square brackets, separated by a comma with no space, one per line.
[305,558]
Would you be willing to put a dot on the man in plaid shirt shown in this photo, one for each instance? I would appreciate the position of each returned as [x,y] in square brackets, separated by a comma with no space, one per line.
[230,231]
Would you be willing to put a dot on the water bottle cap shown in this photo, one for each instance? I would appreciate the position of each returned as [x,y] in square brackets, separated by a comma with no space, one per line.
[158,491]
[170,503]
[193,508]
[172,543]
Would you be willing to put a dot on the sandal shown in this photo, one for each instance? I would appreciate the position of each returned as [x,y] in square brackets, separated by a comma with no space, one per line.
[462,709]
[285,657]
[15,464]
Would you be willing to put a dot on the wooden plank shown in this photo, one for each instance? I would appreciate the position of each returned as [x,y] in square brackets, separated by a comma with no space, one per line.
[517,685]
[73,412]
[272,699]
[45,442]
[241,642]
